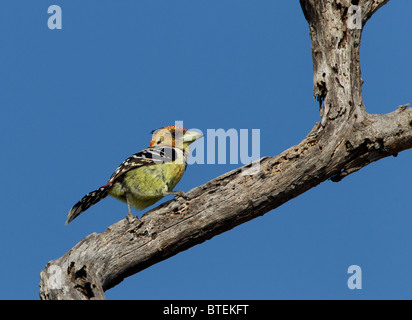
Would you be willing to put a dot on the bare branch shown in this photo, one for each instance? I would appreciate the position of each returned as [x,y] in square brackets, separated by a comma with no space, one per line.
[346,140]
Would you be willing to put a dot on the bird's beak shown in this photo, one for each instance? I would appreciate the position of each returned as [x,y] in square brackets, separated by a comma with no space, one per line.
[191,136]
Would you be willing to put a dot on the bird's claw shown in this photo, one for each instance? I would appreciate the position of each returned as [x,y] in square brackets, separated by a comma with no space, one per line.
[131,218]
[181,194]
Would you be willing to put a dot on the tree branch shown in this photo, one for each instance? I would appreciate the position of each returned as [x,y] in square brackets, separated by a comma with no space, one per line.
[346,140]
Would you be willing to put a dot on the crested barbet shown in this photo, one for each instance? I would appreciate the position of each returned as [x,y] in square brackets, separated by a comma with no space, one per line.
[147,176]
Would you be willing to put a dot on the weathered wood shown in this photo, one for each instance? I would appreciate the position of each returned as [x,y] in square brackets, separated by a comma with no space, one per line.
[346,140]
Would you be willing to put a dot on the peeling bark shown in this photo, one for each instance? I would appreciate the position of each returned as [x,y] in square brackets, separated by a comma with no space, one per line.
[343,142]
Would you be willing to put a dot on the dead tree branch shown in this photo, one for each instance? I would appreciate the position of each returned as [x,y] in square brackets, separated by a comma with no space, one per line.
[346,139]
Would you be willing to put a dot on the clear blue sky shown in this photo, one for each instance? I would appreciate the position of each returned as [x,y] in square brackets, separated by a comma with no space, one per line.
[76,102]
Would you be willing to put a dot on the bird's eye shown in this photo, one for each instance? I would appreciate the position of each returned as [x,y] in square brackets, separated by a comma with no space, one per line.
[161,139]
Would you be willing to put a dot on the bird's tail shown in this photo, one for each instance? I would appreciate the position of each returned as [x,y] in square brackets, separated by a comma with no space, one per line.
[86,202]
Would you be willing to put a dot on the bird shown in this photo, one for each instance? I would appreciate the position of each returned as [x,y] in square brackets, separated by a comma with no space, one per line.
[148,175]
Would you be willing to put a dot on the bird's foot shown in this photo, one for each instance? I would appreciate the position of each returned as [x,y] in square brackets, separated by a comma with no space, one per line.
[131,218]
[180,194]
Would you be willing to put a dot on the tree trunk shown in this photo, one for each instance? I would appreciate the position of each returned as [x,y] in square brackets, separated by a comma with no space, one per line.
[344,141]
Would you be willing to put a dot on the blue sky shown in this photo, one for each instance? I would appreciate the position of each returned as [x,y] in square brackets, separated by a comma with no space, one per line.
[76,102]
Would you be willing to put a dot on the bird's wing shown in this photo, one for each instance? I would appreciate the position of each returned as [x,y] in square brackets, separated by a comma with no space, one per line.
[146,157]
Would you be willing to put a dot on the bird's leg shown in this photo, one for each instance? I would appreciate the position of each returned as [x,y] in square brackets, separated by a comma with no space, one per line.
[130,218]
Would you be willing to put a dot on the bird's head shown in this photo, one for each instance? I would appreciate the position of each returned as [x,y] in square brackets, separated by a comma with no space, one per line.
[174,136]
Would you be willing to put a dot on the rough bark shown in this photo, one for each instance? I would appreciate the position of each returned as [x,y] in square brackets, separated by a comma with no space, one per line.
[344,141]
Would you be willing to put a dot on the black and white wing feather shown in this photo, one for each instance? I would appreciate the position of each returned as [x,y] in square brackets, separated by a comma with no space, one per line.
[147,156]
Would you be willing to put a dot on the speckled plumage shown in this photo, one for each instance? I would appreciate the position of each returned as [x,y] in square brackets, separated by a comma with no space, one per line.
[147,176]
